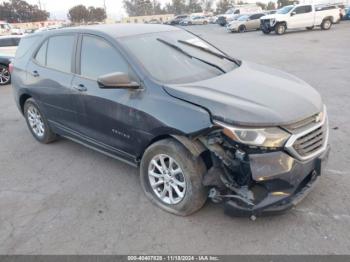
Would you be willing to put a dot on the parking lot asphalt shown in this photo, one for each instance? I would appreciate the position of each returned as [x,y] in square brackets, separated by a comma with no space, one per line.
[63,198]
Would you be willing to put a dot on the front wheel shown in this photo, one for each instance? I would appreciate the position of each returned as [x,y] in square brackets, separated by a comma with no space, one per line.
[5,76]
[171,177]
[280,29]
[326,24]
[242,29]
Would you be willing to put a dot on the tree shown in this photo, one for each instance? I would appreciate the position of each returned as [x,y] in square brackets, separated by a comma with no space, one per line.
[96,14]
[176,7]
[223,5]
[207,5]
[142,7]
[78,14]
[19,11]
[282,3]
[271,6]
[262,5]
[193,6]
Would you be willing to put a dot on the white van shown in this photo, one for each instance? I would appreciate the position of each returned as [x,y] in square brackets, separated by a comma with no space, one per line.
[231,13]
[5,28]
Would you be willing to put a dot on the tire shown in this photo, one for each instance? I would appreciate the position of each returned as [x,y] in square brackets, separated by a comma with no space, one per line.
[38,127]
[280,29]
[309,28]
[194,194]
[242,29]
[205,22]
[5,76]
[266,32]
[326,24]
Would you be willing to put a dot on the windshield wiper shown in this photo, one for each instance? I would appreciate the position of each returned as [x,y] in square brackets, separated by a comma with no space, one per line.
[189,55]
[207,50]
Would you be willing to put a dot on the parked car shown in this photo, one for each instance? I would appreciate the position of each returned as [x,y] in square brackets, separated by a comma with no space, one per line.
[194,119]
[245,23]
[342,11]
[177,19]
[195,20]
[8,46]
[153,21]
[5,28]
[347,14]
[299,16]
[231,14]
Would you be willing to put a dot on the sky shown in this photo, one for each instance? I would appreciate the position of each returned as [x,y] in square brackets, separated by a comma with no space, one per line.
[115,10]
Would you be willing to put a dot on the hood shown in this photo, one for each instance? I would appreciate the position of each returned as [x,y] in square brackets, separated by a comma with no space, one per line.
[274,16]
[252,95]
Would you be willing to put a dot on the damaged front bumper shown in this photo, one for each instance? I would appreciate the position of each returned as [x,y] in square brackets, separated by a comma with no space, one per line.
[280,182]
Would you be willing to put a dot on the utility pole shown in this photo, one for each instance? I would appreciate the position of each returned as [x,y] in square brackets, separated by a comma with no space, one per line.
[39,4]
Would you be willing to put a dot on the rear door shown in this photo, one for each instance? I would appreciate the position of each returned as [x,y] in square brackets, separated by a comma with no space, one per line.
[50,77]
[254,22]
[105,115]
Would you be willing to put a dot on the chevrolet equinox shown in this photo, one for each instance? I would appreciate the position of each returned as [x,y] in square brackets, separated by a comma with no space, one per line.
[197,122]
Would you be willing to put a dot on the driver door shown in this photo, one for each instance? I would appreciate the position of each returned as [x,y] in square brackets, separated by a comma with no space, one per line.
[303,17]
[105,114]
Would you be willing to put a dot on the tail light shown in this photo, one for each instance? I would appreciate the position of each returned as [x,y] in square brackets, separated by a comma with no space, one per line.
[11,68]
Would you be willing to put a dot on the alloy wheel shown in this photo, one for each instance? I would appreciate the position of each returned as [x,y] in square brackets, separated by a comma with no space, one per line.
[35,121]
[4,75]
[167,179]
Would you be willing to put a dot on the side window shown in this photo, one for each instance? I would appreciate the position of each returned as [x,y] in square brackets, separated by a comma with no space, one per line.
[40,56]
[99,58]
[303,9]
[59,52]
[25,45]
[308,8]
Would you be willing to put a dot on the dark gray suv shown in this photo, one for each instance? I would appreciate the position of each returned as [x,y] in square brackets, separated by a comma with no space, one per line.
[196,121]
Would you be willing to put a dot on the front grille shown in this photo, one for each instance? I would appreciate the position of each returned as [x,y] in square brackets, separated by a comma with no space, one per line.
[311,142]
[309,136]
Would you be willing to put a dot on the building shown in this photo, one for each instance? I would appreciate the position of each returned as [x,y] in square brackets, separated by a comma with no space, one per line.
[145,19]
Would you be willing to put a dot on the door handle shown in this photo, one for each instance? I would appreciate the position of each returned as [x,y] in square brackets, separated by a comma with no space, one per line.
[35,73]
[80,88]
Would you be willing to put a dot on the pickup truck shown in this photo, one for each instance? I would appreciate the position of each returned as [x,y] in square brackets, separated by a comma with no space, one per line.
[300,16]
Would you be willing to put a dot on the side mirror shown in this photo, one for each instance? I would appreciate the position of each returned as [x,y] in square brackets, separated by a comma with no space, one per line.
[293,13]
[116,80]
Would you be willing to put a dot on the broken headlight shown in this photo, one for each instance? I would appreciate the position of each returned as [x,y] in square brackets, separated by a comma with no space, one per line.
[263,137]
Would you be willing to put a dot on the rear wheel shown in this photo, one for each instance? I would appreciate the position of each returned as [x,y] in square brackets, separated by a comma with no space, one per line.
[37,123]
[326,24]
[171,177]
[5,76]
[280,29]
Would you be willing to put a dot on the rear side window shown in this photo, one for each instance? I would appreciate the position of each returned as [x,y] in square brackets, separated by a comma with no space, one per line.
[25,44]
[99,58]
[303,9]
[59,52]
[40,56]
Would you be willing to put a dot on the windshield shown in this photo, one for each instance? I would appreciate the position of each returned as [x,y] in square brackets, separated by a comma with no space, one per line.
[168,65]
[285,10]
[230,11]
[243,18]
